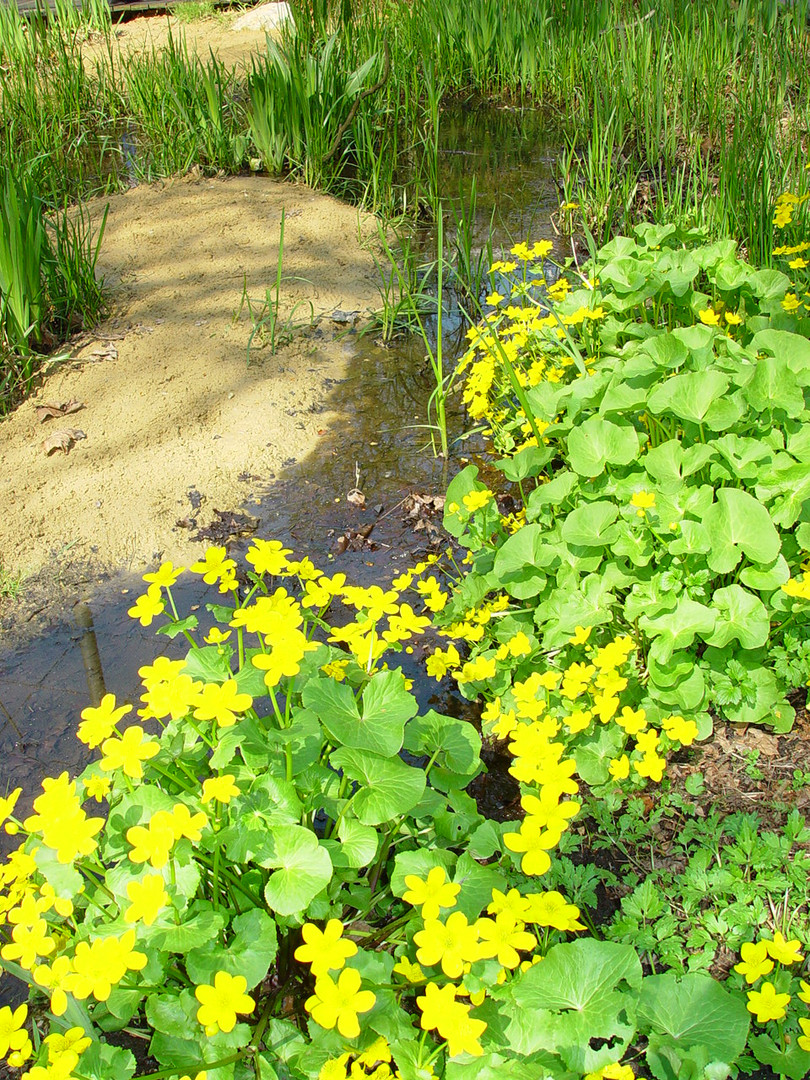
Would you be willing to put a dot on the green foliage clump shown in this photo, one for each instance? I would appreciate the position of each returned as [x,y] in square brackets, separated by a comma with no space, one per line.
[652,412]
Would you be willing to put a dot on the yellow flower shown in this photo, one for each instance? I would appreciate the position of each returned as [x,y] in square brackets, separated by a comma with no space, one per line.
[337,1004]
[12,1033]
[579,720]
[791,302]
[502,937]
[804,1039]
[477,500]
[28,941]
[766,1004]
[285,657]
[709,317]
[66,1048]
[8,803]
[431,893]
[173,698]
[732,318]
[61,820]
[99,723]
[166,576]
[222,788]
[215,566]
[148,897]
[148,606]
[679,730]
[534,843]
[412,972]
[643,501]
[439,663]
[222,703]
[98,965]
[97,787]
[632,720]
[220,1003]
[183,823]
[616,1071]
[580,636]
[128,753]
[335,1069]
[619,768]
[451,1018]
[53,977]
[267,556]
[325,950]
[784,952]
[154,842]
[755,962]
[552,909]
[494,299]
[452,944]
[651,766]
[162,670]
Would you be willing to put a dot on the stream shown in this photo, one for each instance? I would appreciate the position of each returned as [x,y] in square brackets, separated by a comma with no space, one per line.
[382,448]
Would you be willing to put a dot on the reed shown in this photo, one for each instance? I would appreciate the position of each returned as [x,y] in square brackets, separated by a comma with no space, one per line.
[48,285]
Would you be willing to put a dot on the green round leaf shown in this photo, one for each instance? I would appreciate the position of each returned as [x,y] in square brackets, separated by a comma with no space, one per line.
[303,869]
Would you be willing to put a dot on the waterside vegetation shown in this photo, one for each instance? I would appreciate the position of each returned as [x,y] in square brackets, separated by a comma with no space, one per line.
[681,112]
[278,869]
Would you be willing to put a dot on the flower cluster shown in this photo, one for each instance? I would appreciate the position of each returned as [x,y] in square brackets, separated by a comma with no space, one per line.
[771,999]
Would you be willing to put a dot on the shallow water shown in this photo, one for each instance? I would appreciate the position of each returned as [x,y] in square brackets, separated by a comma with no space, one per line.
[380,446]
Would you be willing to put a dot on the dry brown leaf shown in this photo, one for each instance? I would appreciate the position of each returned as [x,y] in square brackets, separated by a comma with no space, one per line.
[62,439]
[49,411]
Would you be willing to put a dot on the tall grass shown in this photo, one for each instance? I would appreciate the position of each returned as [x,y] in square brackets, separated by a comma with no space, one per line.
[662,108]
[48,285]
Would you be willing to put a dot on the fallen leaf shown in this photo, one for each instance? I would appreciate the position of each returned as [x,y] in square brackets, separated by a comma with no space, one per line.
[62,440]
[49,411]
[356,498]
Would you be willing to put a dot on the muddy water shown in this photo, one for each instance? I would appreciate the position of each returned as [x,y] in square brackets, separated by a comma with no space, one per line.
[380,447]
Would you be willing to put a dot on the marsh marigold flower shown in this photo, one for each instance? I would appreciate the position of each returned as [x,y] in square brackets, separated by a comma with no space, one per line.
[99,723]
[220,1003]
[129,752]
[12,1032]
[165,576]
[325,949]
[148,898]
[755,961]
[452,1020]
[766,1004]
[502,937]
[100,964]
[552,909]
[148,606]
[784,952]
[431,893]
[679,730]
[222,788]
[452,944]
[215,566]
[222,702]
[337,1004]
